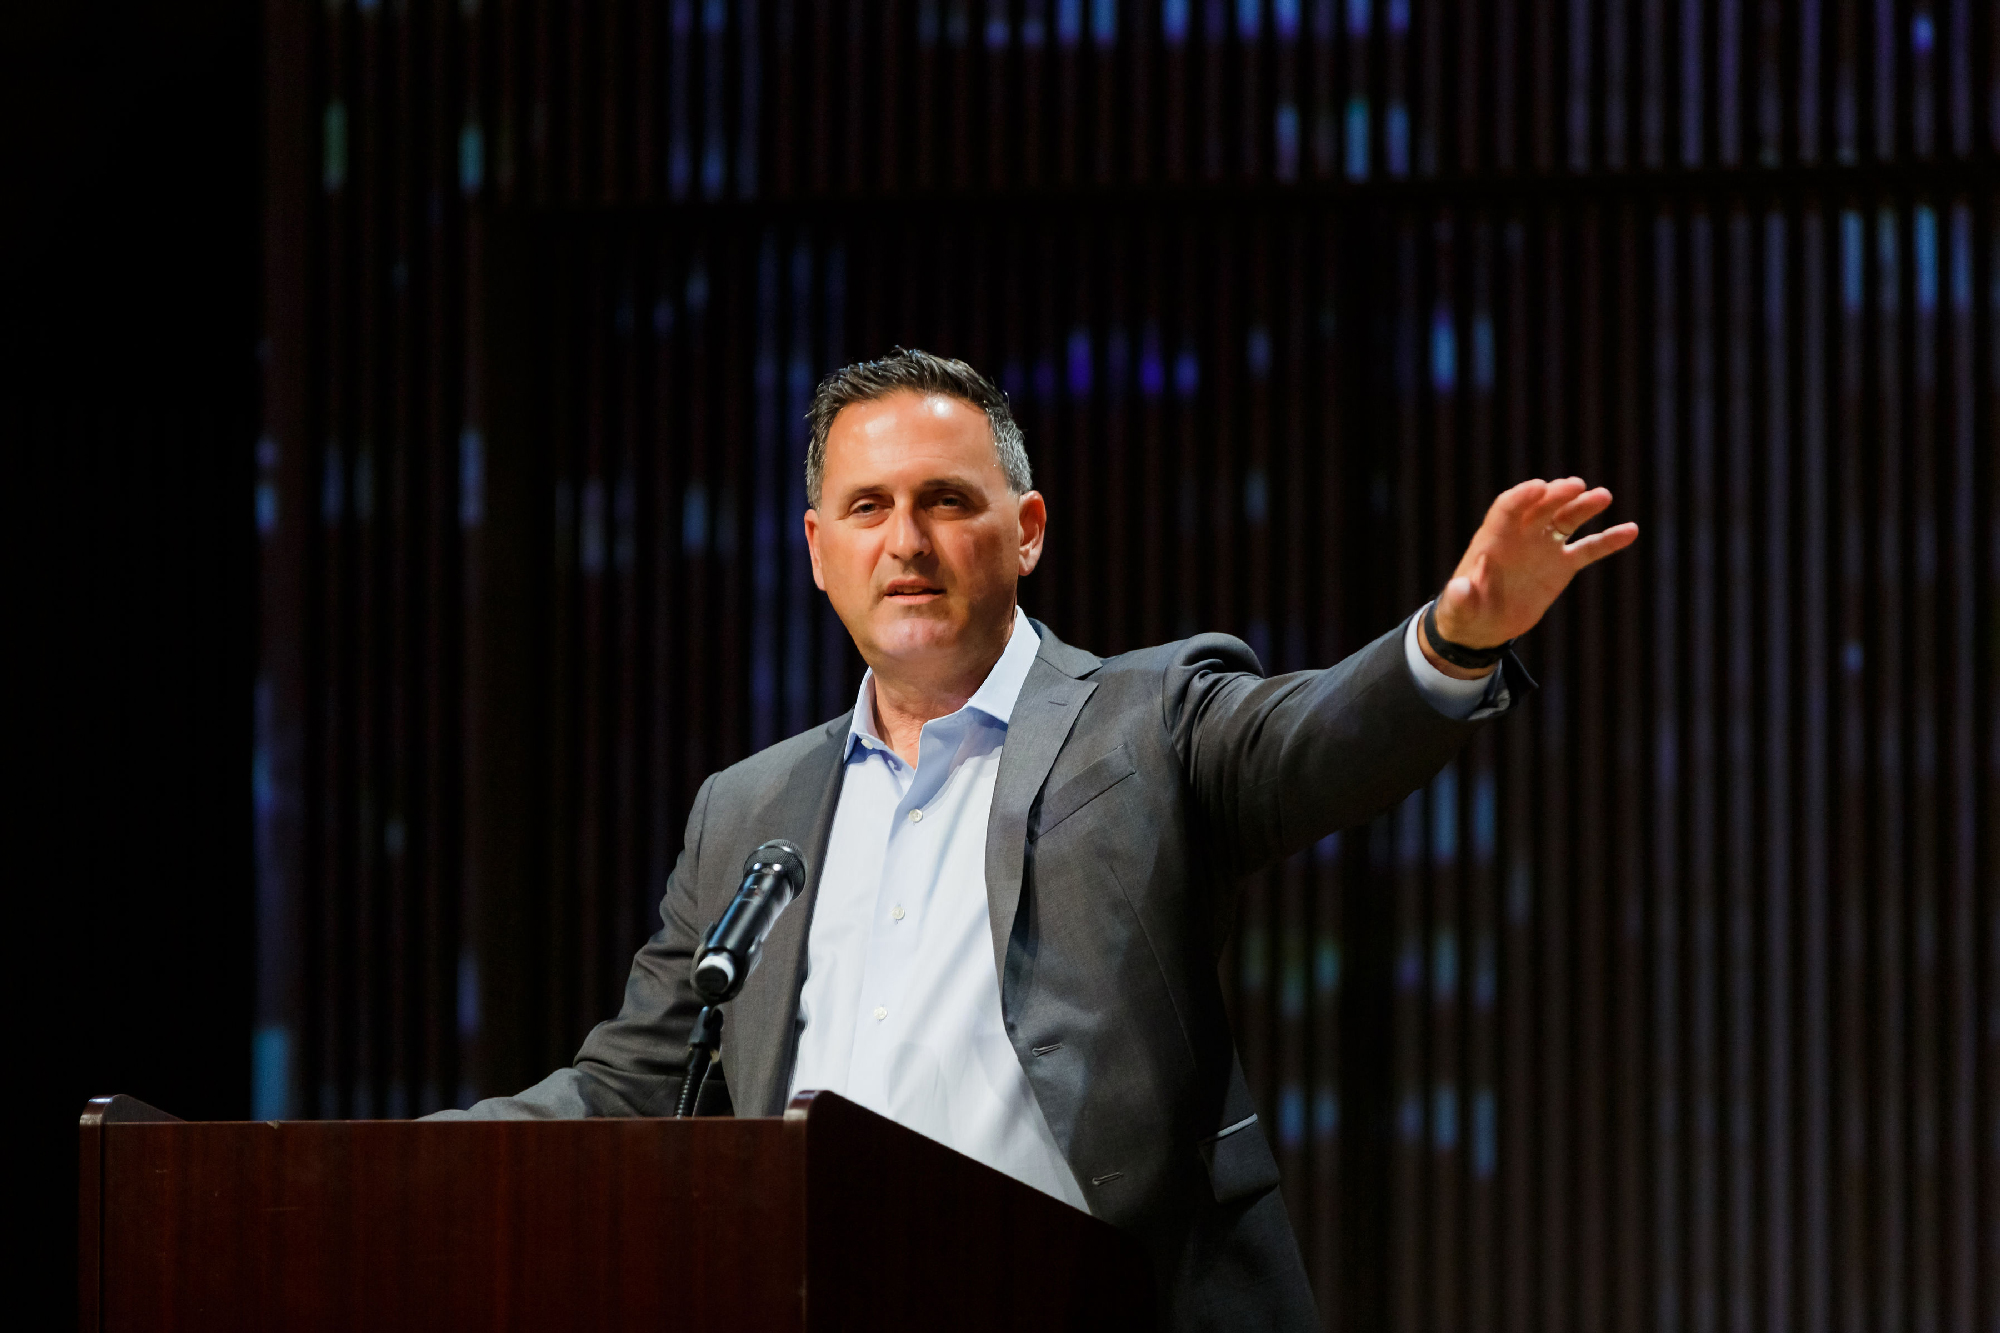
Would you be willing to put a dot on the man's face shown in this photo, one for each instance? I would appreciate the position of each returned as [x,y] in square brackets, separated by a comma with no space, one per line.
[917,541]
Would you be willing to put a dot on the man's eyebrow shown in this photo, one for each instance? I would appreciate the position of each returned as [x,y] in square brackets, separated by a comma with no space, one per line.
[960,483]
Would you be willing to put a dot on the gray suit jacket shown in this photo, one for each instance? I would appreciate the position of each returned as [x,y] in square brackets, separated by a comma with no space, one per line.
[1133,793]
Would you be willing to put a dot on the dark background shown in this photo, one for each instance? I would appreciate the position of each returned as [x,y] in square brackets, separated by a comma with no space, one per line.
[406,406]
[130,408]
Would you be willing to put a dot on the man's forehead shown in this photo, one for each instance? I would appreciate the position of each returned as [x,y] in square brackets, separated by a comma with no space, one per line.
[921,435]
[903,411]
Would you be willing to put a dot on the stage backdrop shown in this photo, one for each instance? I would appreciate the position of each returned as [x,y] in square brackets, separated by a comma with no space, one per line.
[1675,1003]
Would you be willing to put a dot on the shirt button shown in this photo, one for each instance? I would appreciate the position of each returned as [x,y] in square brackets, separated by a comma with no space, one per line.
[916,816]
[896,912]
[880,1013]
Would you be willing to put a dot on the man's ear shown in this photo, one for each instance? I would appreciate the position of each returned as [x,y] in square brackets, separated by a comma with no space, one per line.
[1034,526]
[811,521]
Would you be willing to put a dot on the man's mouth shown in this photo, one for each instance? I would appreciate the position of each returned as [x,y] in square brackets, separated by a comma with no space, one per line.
[912,590]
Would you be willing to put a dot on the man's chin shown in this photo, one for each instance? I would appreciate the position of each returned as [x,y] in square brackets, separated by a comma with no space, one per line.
[910,633]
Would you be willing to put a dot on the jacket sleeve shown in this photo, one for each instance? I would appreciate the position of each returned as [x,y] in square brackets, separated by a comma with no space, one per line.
[631,1065]
[1276,764]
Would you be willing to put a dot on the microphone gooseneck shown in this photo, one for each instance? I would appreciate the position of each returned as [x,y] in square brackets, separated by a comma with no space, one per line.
[773,876]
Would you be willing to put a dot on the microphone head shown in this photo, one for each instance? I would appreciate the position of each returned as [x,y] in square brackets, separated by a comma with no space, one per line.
[790,861]
[774,875]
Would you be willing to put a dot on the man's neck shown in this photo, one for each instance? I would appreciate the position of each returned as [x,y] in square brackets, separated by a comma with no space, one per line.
[903,703]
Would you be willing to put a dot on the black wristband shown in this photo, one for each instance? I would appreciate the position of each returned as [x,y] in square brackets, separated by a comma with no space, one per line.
[1472,659]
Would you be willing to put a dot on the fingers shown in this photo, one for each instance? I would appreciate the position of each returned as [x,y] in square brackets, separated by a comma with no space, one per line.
[1589,550]
[1517,500]
[1581,510]
[1534,504]
[1555,497]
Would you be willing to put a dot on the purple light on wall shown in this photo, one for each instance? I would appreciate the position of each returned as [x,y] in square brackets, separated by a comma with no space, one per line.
[1079,363]
[1104,23]
[1069,22]
[1285,141]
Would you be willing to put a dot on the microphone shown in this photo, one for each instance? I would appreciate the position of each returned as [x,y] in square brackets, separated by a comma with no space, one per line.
[773,876]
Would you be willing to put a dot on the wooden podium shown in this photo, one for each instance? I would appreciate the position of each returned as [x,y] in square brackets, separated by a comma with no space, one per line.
[828,1218]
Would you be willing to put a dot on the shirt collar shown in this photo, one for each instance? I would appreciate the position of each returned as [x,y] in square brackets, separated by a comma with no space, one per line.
[995,696]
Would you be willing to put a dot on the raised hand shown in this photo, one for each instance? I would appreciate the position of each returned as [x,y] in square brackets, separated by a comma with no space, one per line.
[1522,558]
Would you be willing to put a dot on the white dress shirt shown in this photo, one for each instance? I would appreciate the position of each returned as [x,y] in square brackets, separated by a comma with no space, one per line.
[901,1004]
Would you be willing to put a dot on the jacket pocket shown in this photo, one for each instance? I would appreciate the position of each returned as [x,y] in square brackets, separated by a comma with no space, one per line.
[1098,776]
[1239,1161]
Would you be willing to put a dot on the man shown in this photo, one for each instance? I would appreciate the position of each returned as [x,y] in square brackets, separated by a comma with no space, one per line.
[1023,857]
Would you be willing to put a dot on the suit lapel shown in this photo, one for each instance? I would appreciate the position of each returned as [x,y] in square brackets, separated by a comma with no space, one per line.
[760,1031]
[1050,700]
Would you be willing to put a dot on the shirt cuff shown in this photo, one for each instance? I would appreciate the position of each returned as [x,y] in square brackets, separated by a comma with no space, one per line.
[1457,699]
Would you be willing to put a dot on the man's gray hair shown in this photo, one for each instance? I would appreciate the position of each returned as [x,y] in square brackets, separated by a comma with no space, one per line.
[901,371]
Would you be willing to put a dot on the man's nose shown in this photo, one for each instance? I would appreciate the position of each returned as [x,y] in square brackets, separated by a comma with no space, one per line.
[909,538]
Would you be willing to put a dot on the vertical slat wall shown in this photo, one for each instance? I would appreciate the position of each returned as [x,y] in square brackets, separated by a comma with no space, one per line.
[1674,1003]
